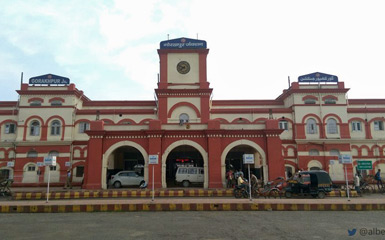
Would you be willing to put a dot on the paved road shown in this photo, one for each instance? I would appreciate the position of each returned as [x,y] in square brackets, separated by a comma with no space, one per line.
[192,225]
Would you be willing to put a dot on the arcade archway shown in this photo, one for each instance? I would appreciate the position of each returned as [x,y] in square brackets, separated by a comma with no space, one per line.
[125,155]
[183,150]
[232,158]
[182,156]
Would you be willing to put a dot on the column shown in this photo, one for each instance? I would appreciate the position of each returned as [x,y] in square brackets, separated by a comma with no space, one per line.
[275,162]
[93,168]
[214,161]
[155,143]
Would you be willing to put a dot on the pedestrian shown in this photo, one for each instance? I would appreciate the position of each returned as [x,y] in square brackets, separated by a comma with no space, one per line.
[377,177]
[68,181]
[254,181]
[357,184]
[230,177]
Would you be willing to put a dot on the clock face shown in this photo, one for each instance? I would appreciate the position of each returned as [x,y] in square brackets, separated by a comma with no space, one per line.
[183,67]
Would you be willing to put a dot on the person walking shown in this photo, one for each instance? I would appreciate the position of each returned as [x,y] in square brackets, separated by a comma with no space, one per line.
[377,177]
[68,181]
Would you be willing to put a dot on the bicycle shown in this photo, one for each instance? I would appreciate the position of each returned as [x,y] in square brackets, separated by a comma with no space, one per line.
[366,188]
[5,189]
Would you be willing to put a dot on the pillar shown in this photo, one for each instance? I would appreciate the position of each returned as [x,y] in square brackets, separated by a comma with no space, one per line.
[275,162]
[93,167]
[214,161]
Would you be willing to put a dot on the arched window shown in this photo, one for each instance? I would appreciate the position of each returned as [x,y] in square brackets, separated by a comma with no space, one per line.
[53,153]
[310,101]
[283,124]
[10,128]
[31,167]
[32,154]
[313,152]
[330,101]
[356,126]
[315,168]
[84,126]
[55,128]
[56,103]
[35,103]
[334,152]
[332,126]
[311,126]
[35,128]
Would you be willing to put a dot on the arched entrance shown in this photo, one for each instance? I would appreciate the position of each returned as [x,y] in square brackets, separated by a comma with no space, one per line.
[125,155]
[183,156]
[232,158]
[183,153]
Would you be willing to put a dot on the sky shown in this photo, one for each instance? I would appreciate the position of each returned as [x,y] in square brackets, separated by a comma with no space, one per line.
[108,49]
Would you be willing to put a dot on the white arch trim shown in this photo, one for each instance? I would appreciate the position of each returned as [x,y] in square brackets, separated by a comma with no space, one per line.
[314,163]
[117,145]
[30,177]
[250,144]
[192,144]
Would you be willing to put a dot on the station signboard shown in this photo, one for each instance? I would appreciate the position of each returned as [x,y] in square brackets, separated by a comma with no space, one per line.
[364,165]
[248,158]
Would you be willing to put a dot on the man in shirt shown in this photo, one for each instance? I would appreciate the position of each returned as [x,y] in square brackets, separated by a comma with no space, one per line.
[68,181]
[242,183]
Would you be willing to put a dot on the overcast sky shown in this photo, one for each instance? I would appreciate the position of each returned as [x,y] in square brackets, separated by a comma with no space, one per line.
[109,48]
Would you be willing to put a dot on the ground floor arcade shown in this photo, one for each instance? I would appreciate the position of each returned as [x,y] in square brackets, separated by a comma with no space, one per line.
[215,151]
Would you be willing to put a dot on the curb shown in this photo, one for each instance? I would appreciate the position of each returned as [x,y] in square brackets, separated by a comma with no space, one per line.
[140,194]
[153,207]
[121,194]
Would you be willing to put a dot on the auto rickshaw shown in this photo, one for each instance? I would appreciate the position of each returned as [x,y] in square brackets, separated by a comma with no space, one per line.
[315,183]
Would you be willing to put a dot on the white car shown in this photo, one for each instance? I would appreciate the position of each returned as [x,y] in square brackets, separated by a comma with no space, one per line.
[126,178]
[189,175]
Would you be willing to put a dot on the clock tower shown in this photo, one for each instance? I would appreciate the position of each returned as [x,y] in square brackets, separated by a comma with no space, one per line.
[183,90]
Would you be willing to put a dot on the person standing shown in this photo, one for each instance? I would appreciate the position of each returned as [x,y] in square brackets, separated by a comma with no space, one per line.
[357,184]
[377,177]
[68,181]
[254,181]
[230,177]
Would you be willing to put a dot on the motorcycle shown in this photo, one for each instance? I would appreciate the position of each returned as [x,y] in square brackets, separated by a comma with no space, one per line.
[241,192]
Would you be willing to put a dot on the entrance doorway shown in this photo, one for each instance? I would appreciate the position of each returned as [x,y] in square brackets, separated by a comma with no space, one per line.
[234,161]
[125,159]
[182,156]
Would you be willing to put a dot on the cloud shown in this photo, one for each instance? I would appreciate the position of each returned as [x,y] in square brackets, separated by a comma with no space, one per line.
[254,45]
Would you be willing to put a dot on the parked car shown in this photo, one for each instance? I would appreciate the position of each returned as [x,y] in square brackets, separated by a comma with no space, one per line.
[189,175]
[126,178]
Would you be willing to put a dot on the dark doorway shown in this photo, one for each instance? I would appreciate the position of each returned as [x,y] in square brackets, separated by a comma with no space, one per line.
[125,159]
[234,161]
[182,156]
